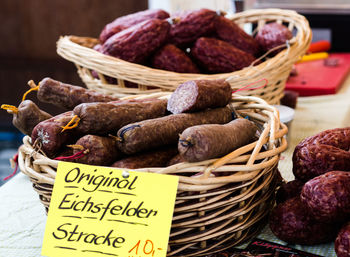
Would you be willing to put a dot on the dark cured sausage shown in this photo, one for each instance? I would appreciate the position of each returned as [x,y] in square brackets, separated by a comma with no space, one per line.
[323,152]
[27,116]
[198,95]
[101,150]
[217,56]
[328,196]
[204,142]
[291,221]
[104,118]
[289,190]
[157,158]
[342,242]
[230,32]
[127,21]
[48,135]
[192,25]
[68,96]
[174,59]
[272,35]
[137,43]
[153,133]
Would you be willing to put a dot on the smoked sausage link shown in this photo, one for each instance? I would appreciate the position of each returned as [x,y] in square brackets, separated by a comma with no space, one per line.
[28,116]
[137,43]
[323,152]
[68,96]
[198,95]
[157,158]
[104,118]
[342,242]
[101,150]
[49,136]
[127,21]
[328,196]
[291,221]
[153,133]
[230,32]
[171,58]
[203,142]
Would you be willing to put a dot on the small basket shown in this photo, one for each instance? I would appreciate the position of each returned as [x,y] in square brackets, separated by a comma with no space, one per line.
[148,80]
[220,202]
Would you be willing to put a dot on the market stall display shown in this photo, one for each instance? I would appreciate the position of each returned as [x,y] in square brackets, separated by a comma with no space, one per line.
[220,202]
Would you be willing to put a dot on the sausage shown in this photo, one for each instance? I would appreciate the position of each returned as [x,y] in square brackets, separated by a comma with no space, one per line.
[198,95]
[153,133]
[97,150]
[137,43]
[289,190]
[230,32]
[290,98]
[192,25]
[68,96]
[328,196]
[290,221]
[127,21]
[272,35]
[342,242]
[171,58]
[176,159]
[157,158]
[204,142]
[217,56]
[27,116]
[104,118]
[48,135]
[323,152]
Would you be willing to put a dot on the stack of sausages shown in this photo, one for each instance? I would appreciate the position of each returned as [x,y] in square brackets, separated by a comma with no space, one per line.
[198,41]
[315,207]
[194,124]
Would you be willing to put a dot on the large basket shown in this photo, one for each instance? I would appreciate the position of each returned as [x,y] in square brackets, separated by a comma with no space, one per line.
[147,80]
[227,200]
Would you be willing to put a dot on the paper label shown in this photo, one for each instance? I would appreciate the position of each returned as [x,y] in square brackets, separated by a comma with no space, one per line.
[103,211]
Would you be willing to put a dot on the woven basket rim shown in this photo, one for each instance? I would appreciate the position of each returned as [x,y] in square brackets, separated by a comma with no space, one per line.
[167,80]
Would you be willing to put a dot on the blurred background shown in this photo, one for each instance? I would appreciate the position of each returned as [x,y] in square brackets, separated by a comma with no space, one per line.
[31,28]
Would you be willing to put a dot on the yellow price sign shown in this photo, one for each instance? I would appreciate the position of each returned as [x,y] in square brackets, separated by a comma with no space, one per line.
[102,211]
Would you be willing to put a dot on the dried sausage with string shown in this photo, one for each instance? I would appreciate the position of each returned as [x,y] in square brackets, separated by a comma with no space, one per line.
[65,95]
[26,116]
[104,118]
[153,133]
[97,150]
[49,137]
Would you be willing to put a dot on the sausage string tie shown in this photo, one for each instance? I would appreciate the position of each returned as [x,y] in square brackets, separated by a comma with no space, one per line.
[122,133]
[9,108]
[33,86]
[248,87]
[186,142]
[69,125]
[75,156]
[14,160]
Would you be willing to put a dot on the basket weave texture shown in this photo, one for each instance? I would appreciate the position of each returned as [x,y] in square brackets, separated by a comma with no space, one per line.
[220,202]
[148,80]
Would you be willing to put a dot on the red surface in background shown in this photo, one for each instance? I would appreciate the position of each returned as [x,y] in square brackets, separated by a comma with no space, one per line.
[314,78]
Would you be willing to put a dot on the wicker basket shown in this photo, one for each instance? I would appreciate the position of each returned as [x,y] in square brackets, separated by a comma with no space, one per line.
[220,202]
[147,80]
